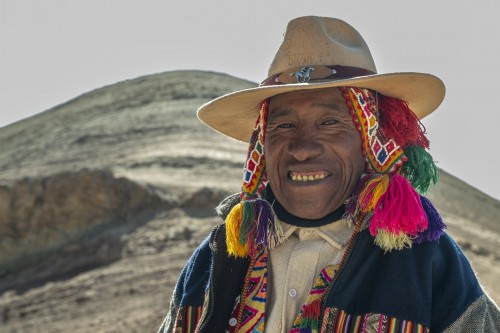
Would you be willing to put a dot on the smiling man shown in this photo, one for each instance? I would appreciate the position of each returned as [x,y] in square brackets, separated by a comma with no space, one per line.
[331,231]
[313,151]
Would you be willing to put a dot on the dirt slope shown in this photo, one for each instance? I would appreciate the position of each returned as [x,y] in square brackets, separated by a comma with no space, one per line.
[146,131]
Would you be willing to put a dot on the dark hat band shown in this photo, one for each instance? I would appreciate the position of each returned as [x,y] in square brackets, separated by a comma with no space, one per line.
[315,73]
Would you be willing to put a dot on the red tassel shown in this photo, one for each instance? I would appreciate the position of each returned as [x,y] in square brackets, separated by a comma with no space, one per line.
[397,121]
[312,310]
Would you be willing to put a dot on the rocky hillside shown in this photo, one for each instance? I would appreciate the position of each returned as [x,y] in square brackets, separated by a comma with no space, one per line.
[103,198]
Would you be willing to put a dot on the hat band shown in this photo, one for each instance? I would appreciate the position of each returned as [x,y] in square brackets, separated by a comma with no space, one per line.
[315,73]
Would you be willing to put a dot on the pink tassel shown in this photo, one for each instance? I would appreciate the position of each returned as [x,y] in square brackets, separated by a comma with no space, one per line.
[399,210]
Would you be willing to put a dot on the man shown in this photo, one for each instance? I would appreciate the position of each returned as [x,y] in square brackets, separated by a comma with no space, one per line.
[330,233]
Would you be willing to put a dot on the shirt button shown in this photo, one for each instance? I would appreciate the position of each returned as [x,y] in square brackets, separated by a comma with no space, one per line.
[232,321]
[292,292]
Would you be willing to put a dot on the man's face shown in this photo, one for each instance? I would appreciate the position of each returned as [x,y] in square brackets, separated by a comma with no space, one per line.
[313,151]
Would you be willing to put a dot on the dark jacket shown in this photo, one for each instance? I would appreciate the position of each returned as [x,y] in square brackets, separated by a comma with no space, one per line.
[430,287]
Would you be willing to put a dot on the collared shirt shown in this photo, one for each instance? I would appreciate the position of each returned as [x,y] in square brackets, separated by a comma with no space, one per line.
[294,266]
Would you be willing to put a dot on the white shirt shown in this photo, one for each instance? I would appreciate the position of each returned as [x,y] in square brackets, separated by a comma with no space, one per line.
[294,266]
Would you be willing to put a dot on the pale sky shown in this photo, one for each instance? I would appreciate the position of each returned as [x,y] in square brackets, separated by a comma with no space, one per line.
[52,51]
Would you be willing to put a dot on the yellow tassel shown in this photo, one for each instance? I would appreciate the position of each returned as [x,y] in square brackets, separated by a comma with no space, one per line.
[380,189]
[374,189]
[389,241]
[233,223]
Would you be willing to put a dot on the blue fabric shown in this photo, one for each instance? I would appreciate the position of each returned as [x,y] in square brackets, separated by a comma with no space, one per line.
[432,283]
[193,280]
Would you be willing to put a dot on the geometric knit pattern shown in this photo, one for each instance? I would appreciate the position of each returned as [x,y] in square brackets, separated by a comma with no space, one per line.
[315,296]
[382,155]
[250,310]
[337,320]
[254,175]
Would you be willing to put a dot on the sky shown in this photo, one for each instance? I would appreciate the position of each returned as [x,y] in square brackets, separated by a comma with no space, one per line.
[52,51]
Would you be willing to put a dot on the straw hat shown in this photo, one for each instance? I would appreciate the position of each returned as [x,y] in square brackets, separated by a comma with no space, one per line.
[319,52]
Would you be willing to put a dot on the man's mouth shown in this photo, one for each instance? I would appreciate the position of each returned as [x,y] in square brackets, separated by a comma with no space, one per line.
[307,176]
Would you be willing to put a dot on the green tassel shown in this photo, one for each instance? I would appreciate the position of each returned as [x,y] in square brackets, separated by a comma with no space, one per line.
[420,169]
[247,221]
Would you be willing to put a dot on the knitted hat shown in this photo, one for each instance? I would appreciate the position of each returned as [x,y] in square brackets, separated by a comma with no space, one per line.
[386,199]
[397,168]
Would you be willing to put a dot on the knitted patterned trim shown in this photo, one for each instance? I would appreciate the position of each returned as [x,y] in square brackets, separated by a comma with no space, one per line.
[187,319]
[249,313]
[254,171]
[337,320]
[308,318]
[382,155]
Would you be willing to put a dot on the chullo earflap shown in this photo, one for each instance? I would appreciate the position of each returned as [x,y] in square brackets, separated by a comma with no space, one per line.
[250,225]
[398,168]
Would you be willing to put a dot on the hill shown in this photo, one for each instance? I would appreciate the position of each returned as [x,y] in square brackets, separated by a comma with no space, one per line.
[143,175]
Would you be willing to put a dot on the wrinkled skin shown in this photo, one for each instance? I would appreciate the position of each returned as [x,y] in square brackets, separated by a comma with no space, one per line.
[313,151]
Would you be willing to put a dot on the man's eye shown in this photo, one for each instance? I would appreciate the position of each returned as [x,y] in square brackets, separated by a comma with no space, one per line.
[286,125]
[330,122]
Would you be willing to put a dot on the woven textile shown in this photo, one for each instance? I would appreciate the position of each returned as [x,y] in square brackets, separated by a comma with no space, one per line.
[249,312]
[254,175]
[336,320]
[382,155]
[308,317]
[187,318]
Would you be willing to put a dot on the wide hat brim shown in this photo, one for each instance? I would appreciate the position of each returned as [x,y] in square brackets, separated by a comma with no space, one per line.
[234,114]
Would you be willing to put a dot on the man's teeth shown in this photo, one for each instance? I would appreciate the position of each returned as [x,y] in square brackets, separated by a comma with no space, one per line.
[306,178]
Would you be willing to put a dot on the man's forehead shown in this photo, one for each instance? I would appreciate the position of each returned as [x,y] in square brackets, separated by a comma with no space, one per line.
[329,100]
[335,91]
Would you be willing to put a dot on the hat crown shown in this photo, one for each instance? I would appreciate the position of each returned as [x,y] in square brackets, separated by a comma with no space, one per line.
[313,40]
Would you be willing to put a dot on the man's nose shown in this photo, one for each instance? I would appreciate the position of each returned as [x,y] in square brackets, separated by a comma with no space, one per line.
[305,146]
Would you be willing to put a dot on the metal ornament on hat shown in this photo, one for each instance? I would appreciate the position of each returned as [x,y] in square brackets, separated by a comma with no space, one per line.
[315,73]
[303,75]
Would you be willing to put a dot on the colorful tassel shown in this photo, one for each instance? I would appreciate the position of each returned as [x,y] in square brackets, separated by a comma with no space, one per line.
[251,227]
[269,232]
[373,190]
[247,221]
[389,241]
[352,208]
[399,210]
[420,168]
[233,223]
[400,123]
[436,225]
[310,317]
